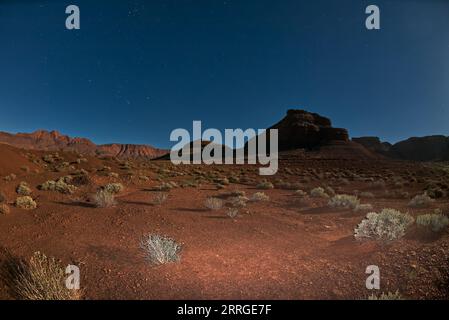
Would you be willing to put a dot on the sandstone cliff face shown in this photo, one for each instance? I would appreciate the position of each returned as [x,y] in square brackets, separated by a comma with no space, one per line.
[302,129]
[374,144]
[44,140]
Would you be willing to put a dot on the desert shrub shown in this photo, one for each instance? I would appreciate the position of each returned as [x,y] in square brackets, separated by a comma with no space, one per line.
[60,186]
[160,249]
[232,212]
[222,181]
[104,199]
[436,222]
[389,224]
[80,179]
[81,160]
[238,202]
[4,209]
[435,193]
[144,178]
[344,201]
[113,174]
[25,202]
[213,203]
[114,188]
[421,201]
[318,192]
[23,189]
[301,193]
[236,193]
[160,198]
[165,186]
[10,177]
[265,185]
[234,179]
[40,278]
[49,158]
[387,296]
[259,196]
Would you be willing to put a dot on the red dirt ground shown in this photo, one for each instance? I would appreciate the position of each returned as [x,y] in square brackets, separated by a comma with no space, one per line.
[284,248]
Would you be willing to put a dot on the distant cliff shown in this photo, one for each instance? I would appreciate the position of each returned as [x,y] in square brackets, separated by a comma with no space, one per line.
[53,140]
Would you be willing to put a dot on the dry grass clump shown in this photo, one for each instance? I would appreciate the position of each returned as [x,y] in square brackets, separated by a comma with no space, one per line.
[213,203]
[259,196]
[26,202]
[344,201]
[160,249]
[421,201]
[4,209]
[23,189]
[389,224]
[40,278]
[436,222]
[104,199]
[160,198]
[114,188]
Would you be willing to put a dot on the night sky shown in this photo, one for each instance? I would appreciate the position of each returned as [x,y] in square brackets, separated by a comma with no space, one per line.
[139,69]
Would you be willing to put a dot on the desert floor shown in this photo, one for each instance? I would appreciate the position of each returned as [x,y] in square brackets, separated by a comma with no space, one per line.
[289,247]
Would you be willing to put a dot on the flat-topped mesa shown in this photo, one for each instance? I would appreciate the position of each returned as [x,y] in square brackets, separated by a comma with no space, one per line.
[301,129]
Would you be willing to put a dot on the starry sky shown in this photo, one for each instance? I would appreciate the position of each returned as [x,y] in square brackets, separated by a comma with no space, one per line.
[136,70]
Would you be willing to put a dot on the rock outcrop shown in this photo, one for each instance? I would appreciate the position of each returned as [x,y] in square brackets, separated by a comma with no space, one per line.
[53,140]
[428,148]
[300,129]
[374,144]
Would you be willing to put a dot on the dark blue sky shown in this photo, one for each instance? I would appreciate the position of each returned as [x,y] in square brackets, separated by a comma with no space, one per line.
[138,69]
